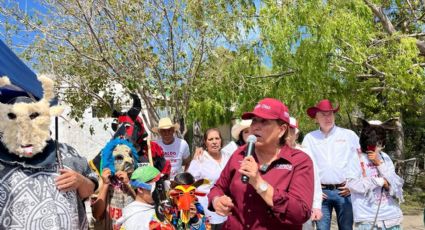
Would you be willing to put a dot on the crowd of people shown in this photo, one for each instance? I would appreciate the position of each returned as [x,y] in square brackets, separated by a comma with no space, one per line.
[263,179]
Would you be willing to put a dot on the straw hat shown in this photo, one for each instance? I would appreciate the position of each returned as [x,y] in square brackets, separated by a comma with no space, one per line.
[165,123]
[239,126]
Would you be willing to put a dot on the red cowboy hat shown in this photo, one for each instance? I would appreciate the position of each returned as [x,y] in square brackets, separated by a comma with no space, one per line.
[324,105]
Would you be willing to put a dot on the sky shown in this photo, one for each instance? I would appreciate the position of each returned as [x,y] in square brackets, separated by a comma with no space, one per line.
[18,42]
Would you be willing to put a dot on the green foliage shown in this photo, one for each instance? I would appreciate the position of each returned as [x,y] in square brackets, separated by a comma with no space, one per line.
[338,51]
[156,48]
[412,205]
[210,61]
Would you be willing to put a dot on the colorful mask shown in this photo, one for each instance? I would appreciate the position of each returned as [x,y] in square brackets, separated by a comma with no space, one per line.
[123,159]
[25,123]
[119,155]
[183,196]
[129,125]
[183,193]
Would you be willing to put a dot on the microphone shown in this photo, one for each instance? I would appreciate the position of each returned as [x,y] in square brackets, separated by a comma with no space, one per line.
[249,150]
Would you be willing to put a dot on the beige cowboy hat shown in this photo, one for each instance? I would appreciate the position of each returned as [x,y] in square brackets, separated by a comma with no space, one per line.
[165,123]
[239,126]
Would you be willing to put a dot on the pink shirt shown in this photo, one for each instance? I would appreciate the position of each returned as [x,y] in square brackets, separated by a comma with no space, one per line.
[290,175]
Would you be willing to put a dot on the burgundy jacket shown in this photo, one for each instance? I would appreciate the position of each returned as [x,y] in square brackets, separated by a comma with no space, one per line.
[290,175]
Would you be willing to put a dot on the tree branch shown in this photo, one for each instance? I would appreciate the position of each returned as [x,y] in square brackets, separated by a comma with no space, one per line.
[276,75]
[367,76]
[416,35]
[385,21]
[388,26]
[81,53]
[419,64]
[374,69]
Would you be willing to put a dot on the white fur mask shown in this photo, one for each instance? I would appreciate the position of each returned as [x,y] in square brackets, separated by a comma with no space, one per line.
[25,125]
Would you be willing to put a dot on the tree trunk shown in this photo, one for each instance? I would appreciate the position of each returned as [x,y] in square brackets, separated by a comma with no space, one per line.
[197,135]
[399,139]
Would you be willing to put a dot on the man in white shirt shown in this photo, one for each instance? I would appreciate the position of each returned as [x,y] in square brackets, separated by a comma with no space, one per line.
[291,140]
[335,150]
[176,150]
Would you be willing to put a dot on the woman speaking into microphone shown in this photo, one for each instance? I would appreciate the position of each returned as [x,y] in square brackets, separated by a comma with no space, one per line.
[279,190]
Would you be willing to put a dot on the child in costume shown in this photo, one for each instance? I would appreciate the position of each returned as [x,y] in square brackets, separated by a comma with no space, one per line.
[118,163]
[129,126]
[187,212]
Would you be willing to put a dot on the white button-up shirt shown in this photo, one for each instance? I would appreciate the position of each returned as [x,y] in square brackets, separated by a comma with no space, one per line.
[207,168]
[333,153]
[317,196]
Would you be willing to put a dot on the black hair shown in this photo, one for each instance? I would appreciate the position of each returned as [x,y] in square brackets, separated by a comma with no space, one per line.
[184,178]
[372,135]
[240,140]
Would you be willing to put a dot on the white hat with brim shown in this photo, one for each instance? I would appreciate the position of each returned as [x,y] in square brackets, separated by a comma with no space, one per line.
[293,123]
[239,127]
[165,123]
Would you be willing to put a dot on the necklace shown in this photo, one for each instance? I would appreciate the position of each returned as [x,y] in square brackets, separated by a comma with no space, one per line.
[264,167]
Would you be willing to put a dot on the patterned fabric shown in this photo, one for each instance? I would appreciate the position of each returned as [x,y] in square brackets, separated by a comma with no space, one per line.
[198,222]
[29,198]
[367,194]
[118,198]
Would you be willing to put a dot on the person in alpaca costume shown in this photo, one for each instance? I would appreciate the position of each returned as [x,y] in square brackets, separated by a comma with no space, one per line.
[38,189]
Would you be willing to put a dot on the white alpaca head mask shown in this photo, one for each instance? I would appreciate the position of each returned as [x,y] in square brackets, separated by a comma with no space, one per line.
[25,123]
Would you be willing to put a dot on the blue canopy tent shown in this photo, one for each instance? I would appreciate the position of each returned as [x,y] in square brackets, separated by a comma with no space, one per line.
[24,80]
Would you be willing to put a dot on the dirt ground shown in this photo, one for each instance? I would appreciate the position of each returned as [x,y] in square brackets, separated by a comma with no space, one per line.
[413,222]
[410,222]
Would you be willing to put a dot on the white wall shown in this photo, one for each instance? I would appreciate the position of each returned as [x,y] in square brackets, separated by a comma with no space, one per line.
[77,134]
[72,133]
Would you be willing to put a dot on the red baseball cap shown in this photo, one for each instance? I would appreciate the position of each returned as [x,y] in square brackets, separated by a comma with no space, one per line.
[324,105]
[269,108]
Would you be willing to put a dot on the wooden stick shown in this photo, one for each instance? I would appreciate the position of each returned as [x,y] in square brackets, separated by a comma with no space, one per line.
[149,150]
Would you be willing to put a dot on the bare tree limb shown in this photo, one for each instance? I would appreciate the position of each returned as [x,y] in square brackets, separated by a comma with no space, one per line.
[367,76]
[374,69]
[411,9]
[416,35]
[419,64]
[379,12]
[276,75]
[388,26]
